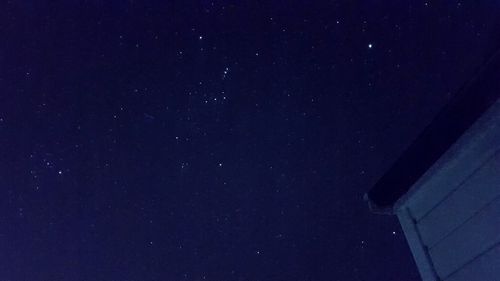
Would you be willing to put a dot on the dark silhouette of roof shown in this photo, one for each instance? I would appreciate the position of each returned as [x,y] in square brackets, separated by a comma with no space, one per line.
[464,108]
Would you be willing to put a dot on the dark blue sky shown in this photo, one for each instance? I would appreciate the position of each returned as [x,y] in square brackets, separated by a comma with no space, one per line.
[217,140]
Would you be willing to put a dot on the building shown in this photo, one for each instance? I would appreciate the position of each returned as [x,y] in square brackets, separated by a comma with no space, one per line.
[445,188]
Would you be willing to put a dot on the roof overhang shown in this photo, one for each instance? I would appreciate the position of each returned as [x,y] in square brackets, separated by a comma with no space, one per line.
[464,108]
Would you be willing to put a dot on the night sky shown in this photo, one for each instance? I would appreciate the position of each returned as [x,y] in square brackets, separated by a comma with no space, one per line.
[218,140]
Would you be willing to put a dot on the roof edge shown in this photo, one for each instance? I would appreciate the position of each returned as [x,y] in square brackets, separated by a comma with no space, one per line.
[474,98]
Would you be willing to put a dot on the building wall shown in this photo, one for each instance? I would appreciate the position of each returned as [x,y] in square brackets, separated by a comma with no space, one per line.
[451,216]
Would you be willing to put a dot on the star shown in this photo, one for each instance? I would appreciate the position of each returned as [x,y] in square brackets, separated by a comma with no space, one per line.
[370,46]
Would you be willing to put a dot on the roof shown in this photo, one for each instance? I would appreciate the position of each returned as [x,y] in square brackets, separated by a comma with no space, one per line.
[464,108]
